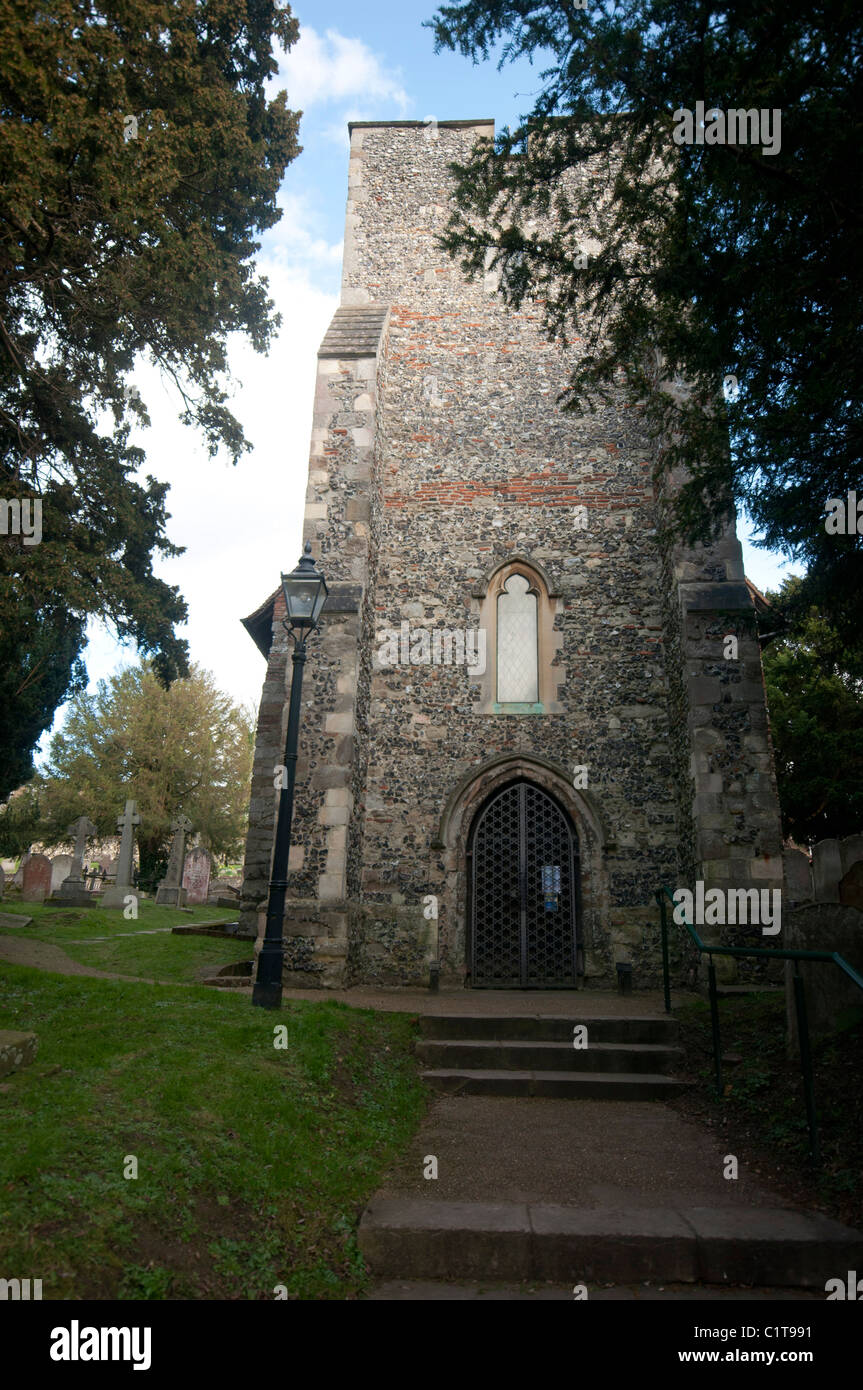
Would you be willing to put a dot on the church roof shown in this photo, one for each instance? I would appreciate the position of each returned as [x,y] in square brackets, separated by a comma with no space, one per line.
[762,604]
[343,597]
[259,625]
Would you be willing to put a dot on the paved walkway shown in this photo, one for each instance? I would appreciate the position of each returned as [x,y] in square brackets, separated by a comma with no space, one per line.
[529,1186]
[585,1153]
[500,1003]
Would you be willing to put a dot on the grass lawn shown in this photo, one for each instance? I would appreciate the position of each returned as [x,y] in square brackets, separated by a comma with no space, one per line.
[762,1116]
[254,1163]
[130,949]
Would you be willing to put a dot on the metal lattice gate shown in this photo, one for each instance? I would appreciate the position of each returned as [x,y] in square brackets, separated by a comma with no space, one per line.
[524,891]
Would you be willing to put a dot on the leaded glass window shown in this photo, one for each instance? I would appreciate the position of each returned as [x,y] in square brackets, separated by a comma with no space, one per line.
[517,653]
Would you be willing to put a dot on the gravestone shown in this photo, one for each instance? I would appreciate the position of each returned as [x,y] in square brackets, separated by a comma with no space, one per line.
[122,887]
[14,919]
[2,882]
[36,884]
[171,892]
[851,887]
[826,870]
[61,866]
[223,893]
[850,851]
[798,876]
[73,889]
[196,876]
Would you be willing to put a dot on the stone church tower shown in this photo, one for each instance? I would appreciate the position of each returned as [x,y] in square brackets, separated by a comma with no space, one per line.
[520,717]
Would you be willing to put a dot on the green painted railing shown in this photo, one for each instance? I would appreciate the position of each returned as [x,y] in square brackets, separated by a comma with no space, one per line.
[665,896]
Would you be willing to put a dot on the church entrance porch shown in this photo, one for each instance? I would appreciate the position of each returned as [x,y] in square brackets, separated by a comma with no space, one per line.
[523,864]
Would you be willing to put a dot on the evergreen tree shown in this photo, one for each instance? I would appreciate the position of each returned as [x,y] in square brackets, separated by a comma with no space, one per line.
[139,155]
[815,702]
[693,262]
[188,748]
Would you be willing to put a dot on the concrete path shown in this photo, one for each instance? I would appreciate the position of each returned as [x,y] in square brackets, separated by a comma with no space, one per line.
[501,1186]
[581,1152]
[500,1003]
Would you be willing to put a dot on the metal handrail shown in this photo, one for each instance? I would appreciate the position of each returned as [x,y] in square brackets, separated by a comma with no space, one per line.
[704,948]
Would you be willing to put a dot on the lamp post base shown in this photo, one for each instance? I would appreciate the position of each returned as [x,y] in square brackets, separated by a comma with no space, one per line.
[267,995]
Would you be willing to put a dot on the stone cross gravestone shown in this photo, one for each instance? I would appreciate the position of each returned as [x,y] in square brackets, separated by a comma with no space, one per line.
[122,887]
[37,878]
[73,889]
[171,892]
[196,875]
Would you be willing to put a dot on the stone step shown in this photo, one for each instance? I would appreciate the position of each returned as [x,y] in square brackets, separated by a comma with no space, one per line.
[743,991]
[411,1238]
[481,1291]
[577,1085]
[16,1050]
[483,1054]
[548,1028]
[228,981]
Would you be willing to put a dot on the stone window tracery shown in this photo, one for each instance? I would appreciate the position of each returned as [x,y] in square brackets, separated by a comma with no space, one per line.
[516,611]
[517,651]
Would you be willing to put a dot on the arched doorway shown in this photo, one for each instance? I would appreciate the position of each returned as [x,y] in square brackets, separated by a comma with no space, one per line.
[524,890]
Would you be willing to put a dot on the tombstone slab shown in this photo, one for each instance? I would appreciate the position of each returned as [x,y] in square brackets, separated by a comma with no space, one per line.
[61,867]
[73,889]
[826,870]
[851,887]
[171,892]
[36,884]
[122,887]
[196,876]
[798,876]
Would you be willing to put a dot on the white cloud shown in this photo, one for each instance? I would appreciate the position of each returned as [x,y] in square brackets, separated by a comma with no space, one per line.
[296,238]
[240,525]
[336,132]
[328,68]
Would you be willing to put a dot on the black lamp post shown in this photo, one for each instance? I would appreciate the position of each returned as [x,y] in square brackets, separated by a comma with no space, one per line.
[305,592]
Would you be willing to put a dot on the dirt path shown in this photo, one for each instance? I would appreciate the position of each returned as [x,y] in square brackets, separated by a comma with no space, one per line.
[43,956]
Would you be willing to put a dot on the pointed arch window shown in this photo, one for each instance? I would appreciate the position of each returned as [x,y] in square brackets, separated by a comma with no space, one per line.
[516,608]
[517,642]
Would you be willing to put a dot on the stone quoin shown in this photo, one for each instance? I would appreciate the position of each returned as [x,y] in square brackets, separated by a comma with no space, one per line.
[447,490]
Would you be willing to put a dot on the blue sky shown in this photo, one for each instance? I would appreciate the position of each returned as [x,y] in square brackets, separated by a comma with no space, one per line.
[242,525]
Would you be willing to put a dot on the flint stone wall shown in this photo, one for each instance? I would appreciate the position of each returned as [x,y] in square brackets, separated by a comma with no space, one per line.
[438,455]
